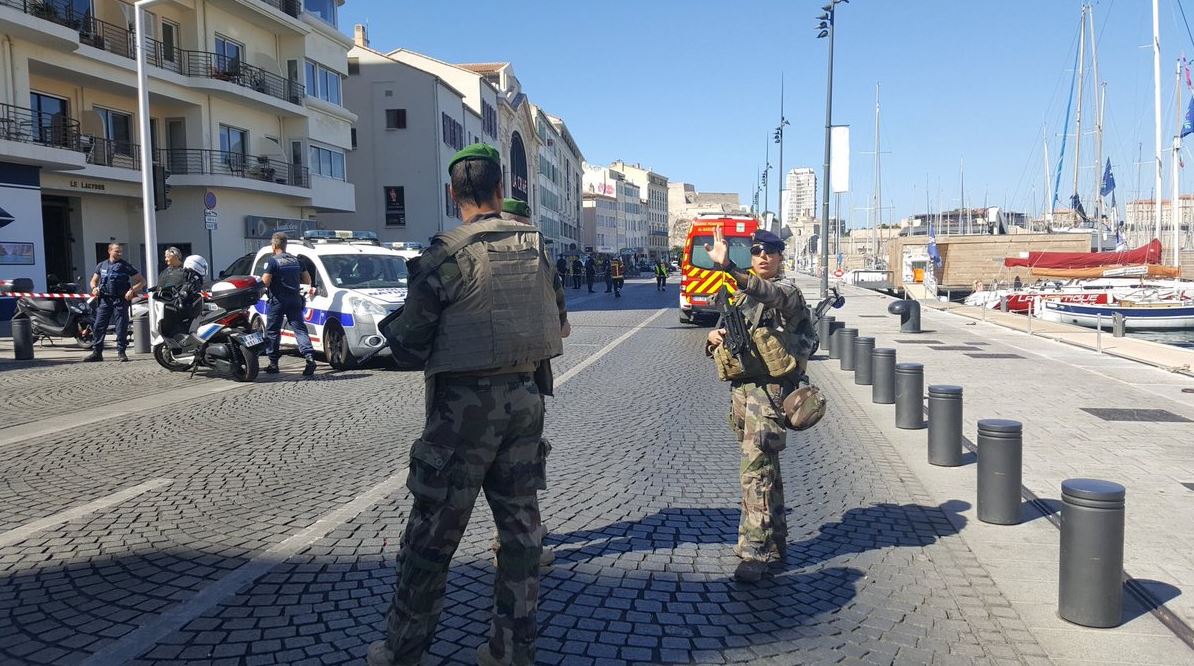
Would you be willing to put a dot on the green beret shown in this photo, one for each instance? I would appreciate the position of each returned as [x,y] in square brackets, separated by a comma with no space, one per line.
[516,207]
[477,151]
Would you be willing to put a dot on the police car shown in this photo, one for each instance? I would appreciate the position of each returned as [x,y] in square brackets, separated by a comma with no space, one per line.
[408,250]
[357,283]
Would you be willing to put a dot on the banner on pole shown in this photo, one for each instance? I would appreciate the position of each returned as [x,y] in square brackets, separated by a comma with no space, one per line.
[839,159]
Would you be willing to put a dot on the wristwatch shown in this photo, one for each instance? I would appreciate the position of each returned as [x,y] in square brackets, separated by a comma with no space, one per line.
[729,266]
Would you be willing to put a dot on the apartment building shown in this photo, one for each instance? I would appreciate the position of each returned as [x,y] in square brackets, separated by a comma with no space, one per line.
[653,206]
[246,112]
[569,166]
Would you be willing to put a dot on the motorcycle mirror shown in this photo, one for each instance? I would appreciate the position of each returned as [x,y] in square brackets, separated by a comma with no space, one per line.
[839,302]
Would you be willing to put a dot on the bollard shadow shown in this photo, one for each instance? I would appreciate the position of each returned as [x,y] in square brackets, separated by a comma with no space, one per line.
[1042,507]
[1145,595]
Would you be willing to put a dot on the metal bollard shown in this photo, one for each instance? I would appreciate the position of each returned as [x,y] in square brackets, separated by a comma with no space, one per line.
[1000,457]
[883,367]
[22,338]
[846,360]
[824,327]
[1090,590]
[1118,325]
[1003,303]
[945,425]
[909,396]
[141,335]
[835,345]
[863,347]
[909,311]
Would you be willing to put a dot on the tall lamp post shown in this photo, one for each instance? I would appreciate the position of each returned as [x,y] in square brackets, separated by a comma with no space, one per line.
[779,138]
[147,202]
[826,29]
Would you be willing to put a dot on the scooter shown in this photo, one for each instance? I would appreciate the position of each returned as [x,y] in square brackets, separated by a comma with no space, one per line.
[190,331]
[833,300]
[59,317]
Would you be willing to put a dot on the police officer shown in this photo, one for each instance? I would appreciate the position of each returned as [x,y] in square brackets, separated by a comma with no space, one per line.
[114,284]
[287,281]
[519,211]
[484,413]
[756,403]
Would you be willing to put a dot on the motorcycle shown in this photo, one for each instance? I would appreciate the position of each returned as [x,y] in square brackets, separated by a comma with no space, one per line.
[834,300]
[190,331]
[58,317]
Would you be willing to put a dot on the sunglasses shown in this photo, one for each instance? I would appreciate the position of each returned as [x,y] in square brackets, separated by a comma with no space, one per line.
[756,250]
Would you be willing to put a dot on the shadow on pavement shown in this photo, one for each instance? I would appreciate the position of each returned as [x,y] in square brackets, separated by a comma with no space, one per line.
[1157,593]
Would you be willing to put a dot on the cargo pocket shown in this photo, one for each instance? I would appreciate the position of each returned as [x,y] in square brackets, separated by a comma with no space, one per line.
[544,450]
[428,479]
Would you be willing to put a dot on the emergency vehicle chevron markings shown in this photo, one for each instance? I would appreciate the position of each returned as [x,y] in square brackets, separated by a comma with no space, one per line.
[140,640]
[23,532]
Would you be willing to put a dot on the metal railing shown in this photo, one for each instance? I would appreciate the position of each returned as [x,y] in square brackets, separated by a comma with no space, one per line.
[61,12]
[107,152]
[195,161]
[55,130]
[107,37]
[290,7]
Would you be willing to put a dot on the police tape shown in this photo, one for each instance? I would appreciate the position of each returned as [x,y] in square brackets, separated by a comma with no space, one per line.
[31,294]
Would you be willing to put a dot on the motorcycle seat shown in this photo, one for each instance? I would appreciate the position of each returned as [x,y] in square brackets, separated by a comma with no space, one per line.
[49,306]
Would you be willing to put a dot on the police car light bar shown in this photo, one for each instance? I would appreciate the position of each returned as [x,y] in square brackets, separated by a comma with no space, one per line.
[407,245]
[339,235]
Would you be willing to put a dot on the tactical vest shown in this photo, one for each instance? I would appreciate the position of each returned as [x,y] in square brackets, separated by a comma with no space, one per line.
[504,311]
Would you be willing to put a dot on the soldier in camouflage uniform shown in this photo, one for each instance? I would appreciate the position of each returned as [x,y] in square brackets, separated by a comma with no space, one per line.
[482,317]
[756,404]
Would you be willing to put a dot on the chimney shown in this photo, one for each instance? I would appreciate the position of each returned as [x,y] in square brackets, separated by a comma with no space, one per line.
[360,36]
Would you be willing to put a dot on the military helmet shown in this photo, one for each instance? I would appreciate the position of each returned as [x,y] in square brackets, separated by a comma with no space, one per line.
[804,407]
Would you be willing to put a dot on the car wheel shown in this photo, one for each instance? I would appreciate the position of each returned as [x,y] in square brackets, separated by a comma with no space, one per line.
[335,349]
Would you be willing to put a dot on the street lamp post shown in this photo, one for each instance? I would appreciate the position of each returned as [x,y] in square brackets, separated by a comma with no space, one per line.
[147,202]
[826,29]
[779,138]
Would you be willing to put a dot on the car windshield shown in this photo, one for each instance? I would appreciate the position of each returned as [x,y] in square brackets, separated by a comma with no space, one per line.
[365,271]
[739,251]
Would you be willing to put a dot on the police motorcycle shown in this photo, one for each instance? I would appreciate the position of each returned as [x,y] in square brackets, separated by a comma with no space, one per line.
[191,331]
[833,300]
[57,317]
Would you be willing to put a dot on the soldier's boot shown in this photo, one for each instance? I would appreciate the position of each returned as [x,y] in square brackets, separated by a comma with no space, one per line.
[272,368]
[485,657]
[750,571]
[309,368]
[94,357]
[120,356]
[546,558]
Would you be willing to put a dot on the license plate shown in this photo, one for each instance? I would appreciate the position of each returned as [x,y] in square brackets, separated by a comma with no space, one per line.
[252,339]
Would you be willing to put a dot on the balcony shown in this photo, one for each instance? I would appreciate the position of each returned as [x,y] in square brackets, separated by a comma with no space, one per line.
[289,7]
[49,140]
[110,153]
[198,64]
[54,23]
[263,169]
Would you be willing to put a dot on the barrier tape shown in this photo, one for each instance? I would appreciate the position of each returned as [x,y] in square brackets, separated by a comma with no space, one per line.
[30,294]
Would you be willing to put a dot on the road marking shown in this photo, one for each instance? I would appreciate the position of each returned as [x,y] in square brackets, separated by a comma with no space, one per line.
[23,432]
[576,369]
[142,639]
[133,644]
[24,531]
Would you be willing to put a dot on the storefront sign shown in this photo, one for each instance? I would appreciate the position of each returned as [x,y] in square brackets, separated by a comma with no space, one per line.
[519,187]
[16,254]
[395,198]
[87,185]
[257,227]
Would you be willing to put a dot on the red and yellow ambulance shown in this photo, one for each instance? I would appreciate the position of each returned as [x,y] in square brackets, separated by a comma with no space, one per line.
[699,283]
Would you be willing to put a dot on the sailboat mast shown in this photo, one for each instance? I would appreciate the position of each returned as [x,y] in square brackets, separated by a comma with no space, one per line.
[1157,118]
[962,204]
[1048,213]
[1100,91]
[1078,108]
[1176,208]
[877,196]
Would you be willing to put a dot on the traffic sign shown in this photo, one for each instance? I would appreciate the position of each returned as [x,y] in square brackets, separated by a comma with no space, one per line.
[210,220]
[209,201]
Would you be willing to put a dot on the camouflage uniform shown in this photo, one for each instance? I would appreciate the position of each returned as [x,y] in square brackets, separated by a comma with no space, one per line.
[756,417]
[483,431]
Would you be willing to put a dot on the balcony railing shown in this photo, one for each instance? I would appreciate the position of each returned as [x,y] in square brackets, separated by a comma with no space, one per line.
[107,152]
[61,12]
[291,7]
[188,161]
[47,129]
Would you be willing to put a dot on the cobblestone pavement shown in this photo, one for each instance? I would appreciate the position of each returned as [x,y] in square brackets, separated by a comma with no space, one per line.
[261,525]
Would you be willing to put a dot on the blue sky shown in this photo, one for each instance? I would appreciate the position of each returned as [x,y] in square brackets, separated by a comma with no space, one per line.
[691,88]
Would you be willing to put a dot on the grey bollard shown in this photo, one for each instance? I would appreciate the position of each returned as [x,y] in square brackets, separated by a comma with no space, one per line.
[1000,456]
[141,335]
[846,359]
[910,396]
[835,345]
[22,338]
[1090,590]
[824,327]
[1117,325]
[1003,303]
[863,348]
[909,311]
[883,367]
[945,425]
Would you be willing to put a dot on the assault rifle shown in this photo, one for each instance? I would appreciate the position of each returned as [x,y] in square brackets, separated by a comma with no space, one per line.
[737,338]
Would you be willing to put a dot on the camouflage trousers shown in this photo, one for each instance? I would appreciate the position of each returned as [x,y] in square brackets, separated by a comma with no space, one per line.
[757,419]
[480,433]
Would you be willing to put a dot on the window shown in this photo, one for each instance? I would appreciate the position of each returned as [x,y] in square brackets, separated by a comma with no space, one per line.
[453,132]
[228,55]
[326,162]
[354,66]
[352,134]
[49,119]
[169,40]
[234,145]
[324,9]
[323,83]
[395,118]
[118,128]
[489,119]
[450,207]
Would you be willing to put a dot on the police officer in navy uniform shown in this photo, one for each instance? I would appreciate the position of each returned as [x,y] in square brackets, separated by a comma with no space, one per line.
[286,279]
[114,284]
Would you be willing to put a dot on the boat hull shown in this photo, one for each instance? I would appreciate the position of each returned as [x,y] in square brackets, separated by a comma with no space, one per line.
[1178,317]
